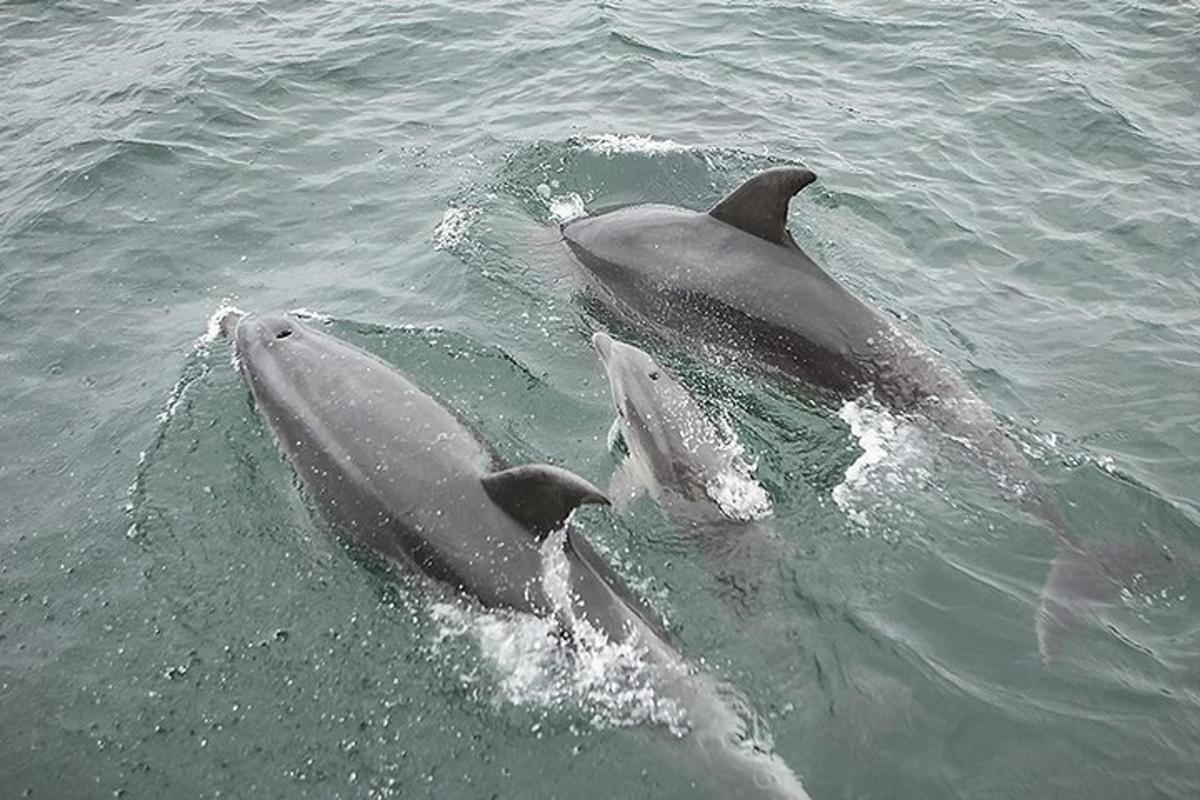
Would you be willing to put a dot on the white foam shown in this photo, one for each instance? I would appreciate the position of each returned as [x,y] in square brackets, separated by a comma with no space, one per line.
[521,649]
[303,312]
[200,347]
[739,496]
[734,489]
[890,459]
[565,208]
[212,329]
[452,230]
[611,144]
[173,398]
[612,683]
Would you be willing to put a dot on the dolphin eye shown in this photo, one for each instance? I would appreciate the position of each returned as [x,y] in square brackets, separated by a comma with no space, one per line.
[283,334]
[654,376]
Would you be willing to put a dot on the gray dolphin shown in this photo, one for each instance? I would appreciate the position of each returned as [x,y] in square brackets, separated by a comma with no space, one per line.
[404,476]
[675,450]
[733,277]
[390,465]
[691,467]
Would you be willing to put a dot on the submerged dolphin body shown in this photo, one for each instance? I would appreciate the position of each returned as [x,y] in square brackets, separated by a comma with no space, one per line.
[404,476]
[692,468]
[733,277]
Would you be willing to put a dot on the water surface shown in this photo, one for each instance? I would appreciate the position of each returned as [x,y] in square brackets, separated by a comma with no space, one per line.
[1018,182]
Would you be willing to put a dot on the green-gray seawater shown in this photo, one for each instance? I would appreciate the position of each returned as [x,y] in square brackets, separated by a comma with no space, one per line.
[1019,182]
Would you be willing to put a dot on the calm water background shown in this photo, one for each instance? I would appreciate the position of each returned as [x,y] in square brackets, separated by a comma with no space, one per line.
[1019,181]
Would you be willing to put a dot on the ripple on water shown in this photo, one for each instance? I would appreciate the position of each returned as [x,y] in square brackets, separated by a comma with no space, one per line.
[1016,181]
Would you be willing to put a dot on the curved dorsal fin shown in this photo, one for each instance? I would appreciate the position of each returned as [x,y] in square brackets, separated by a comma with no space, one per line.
[540,496]
[760,205]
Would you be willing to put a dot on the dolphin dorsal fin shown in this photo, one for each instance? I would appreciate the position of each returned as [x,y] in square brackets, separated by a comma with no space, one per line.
[760,205]
[540,496]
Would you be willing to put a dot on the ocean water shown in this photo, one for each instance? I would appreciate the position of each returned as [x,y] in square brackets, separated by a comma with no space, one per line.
[1019,182]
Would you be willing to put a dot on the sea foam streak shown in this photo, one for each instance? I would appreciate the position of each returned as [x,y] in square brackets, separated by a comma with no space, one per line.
[611,143]
[200,348]
[197,368]
[734,489]
[891,459]
[453,228]
[304,312]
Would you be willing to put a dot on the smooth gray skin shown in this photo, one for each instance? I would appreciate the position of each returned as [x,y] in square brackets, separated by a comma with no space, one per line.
[733,277]
[400,473]
[391,466]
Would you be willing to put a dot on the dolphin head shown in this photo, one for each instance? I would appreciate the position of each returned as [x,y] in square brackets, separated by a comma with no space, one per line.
[634,377]
[265,329]
[274,343]
[665,429]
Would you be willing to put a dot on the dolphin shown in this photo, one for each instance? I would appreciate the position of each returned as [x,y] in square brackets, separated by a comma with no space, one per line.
[387,463]
[691,467]
[734,278]
[680,454]
[399,473]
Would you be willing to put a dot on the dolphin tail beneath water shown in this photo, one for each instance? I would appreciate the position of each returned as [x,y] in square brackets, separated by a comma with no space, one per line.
[1083,574]
[1075,581]
[1081,578]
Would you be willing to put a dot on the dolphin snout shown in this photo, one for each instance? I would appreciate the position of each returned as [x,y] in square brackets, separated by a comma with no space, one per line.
[226,320]
[603,344]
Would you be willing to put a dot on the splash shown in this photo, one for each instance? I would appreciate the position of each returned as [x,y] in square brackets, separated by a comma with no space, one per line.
[212,328]
[565,208]
[614,684]
[891,448]
[452,230]
[611,144]
[200,349]
[1141,597]
[304,312]
[739,496]
[734,489]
